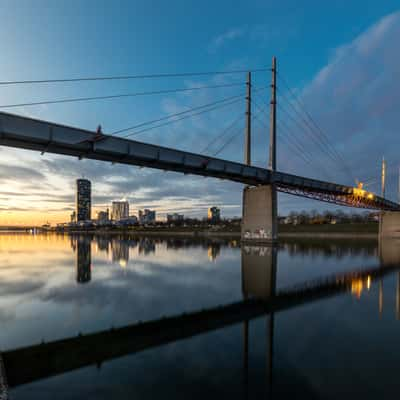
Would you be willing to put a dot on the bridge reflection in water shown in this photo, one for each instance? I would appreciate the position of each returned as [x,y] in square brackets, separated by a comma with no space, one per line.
[260,298]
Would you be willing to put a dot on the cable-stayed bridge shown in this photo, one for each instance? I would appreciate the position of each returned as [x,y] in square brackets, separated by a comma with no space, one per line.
[48,137]
[259,206]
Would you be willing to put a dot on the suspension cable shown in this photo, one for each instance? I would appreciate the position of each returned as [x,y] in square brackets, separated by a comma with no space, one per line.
[115,96]
[127,77]
[317,127]
[169,116]
[184,117]
[222,134]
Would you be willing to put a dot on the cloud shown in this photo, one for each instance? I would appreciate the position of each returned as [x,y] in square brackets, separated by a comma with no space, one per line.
[11,172]
[355,100]
[226,37]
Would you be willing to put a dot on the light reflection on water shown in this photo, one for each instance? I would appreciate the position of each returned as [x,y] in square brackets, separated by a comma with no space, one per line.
[54,287]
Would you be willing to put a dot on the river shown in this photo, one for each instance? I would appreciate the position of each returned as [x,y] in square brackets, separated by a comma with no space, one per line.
[329,331]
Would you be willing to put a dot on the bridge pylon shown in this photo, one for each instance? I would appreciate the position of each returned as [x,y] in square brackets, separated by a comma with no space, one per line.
[260,205]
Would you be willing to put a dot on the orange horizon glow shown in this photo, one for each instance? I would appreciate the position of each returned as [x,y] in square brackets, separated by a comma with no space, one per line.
[33,218]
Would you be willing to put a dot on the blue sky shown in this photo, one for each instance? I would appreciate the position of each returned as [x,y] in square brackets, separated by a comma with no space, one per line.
[340,58]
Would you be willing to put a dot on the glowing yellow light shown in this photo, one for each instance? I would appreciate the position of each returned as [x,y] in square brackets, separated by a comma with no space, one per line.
[359,192]
[357,287]
[122,263]
[368,282]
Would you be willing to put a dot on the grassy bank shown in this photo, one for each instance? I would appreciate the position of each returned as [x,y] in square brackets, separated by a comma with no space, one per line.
[352,231]
[353,228]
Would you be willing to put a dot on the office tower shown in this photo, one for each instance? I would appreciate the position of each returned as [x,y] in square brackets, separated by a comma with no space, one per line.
[120,210]
[171,218]
[83,200]
[147,216]
[214,214]
[103,216]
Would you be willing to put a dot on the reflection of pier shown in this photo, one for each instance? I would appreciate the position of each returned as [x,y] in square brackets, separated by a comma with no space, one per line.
[259,265]
[3,381]
[389,253]
[66,355]
[259,272]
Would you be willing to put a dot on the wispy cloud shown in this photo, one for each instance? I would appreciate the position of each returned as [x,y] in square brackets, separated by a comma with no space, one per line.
[226,37]
[355,99]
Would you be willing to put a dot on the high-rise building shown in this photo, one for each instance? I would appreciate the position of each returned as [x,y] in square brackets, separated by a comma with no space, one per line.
[147,216]
[171,218]
[103,216]
[214,214]
[120,210]
[83,200]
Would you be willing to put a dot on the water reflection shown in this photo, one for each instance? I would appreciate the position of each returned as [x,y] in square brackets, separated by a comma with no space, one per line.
[259,265]
[83,260]
[262,298]
[120,246]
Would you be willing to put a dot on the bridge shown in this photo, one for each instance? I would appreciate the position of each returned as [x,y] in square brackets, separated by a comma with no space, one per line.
[259,198]
[47,137]
[66,355]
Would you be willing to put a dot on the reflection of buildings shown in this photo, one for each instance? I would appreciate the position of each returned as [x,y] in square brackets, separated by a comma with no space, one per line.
[83,260]
[120,252]
[147,246]
[213,251]
[83,200]
[102,243]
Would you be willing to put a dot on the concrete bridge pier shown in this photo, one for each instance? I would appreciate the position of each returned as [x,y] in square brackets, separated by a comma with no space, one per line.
[259,217]
[389,224]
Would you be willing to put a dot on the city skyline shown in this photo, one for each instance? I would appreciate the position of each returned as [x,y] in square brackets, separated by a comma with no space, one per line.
[37,189]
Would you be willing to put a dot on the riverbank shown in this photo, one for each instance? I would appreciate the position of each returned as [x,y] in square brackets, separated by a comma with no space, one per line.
[327,231]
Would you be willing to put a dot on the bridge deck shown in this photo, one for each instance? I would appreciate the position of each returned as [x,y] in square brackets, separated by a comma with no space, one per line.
[43,136]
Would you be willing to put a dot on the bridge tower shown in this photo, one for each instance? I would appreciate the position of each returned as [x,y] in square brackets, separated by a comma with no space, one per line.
[259,216]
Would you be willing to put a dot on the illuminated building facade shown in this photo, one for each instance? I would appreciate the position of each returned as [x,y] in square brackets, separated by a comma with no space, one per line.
[103,216]
[120,210]
[147,216]
[83,200]
[214,214]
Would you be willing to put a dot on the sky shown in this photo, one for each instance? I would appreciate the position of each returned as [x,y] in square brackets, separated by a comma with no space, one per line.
[340,60]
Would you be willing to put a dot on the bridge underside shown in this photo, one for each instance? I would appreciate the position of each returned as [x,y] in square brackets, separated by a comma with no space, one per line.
[349,200]
[47,137]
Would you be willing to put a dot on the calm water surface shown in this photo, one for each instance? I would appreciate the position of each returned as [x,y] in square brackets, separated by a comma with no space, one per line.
[323,343]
